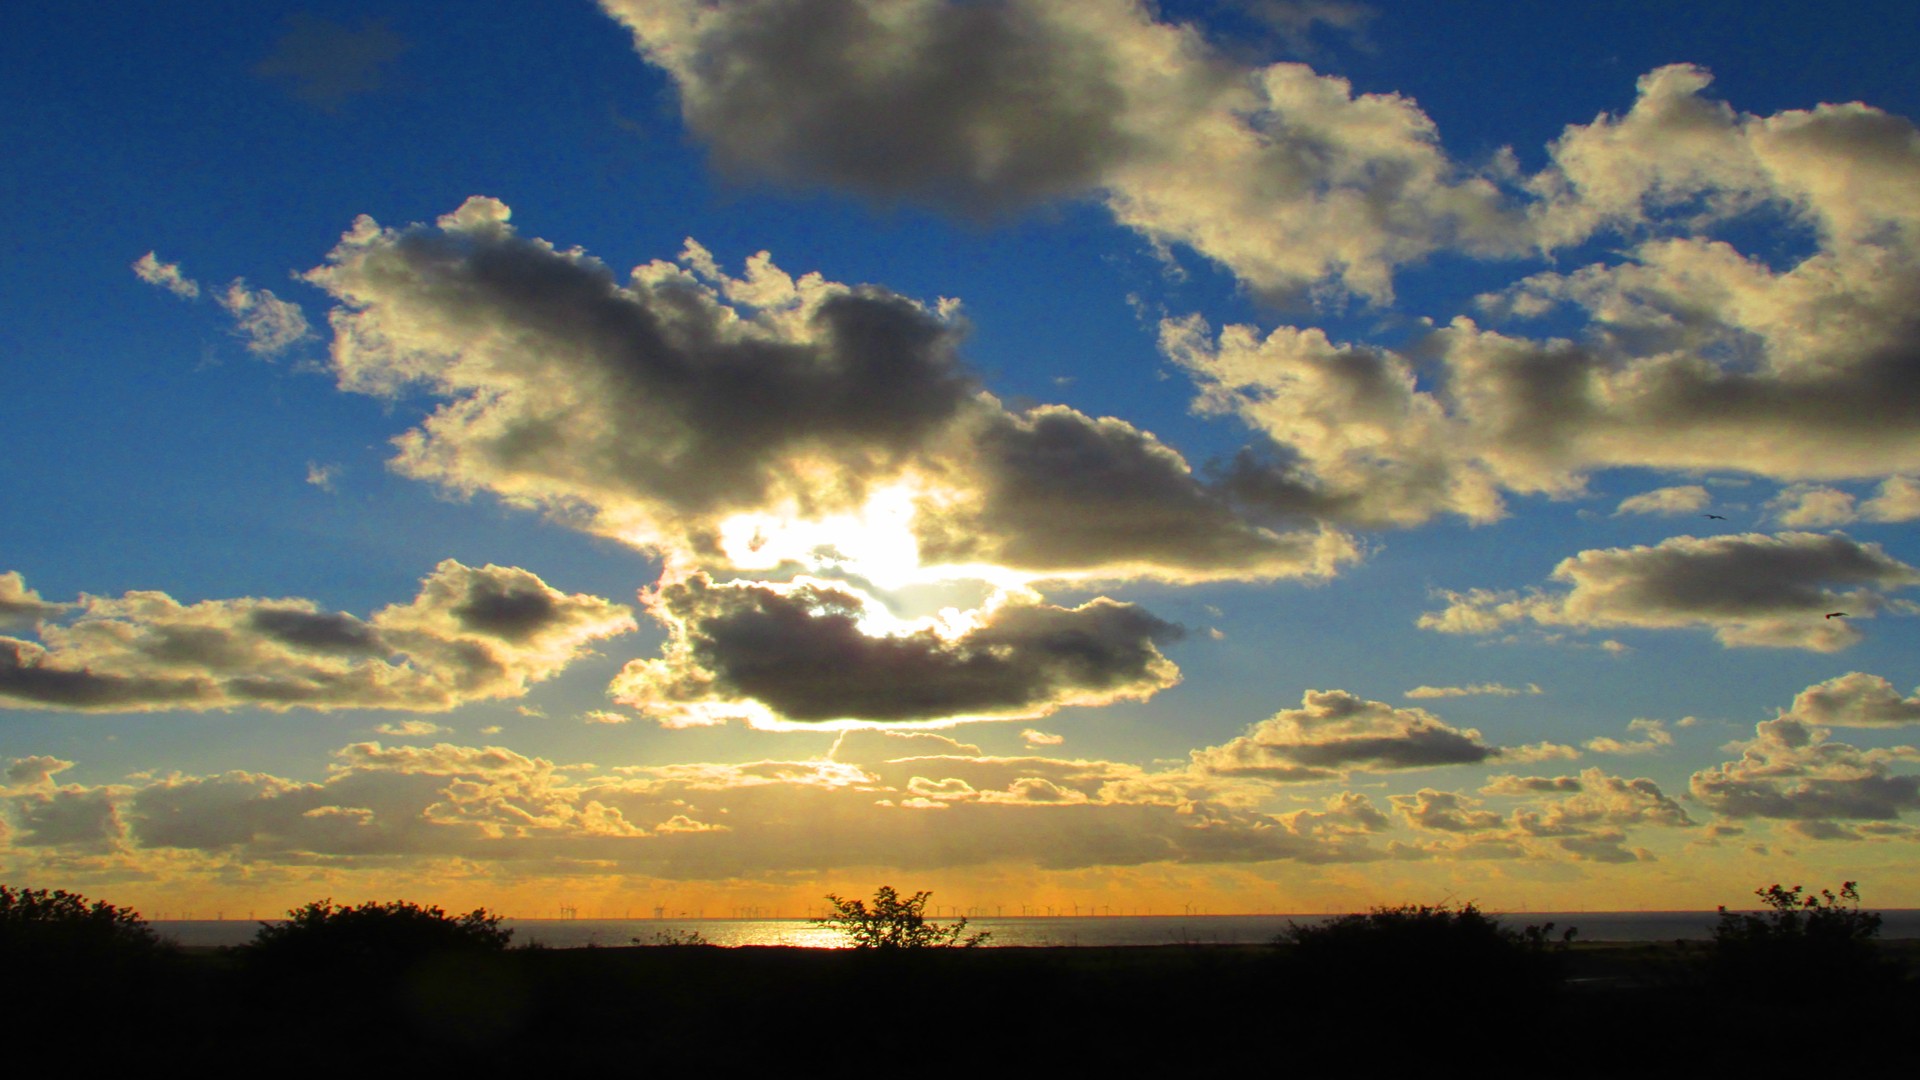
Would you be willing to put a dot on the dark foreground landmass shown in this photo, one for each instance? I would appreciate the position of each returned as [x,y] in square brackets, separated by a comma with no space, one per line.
[1610,1009]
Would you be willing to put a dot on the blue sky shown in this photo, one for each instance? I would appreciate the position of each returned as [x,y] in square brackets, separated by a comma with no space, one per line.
[1238,369]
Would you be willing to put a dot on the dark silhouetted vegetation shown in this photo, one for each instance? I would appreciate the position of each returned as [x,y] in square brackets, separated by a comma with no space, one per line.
[673,939]
[68,925]
[68,958]
[378,933]
[1429,988]
[1473,955]
[439,979]
[1803,939]
[894,923]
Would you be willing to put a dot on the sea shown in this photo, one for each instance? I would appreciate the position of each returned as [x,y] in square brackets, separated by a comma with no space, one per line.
[1030,931]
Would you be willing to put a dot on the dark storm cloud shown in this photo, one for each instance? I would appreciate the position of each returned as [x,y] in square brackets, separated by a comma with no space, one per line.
[800,653]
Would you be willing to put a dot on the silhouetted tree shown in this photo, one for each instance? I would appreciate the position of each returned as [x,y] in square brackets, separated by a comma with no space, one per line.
[1812,939]
[894,923]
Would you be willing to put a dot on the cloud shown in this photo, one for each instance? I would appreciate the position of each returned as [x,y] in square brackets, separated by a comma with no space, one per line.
[1603,800]
[1667,501]
[1680,154]
[1509,784]
[1750,589]
[1354,438]
[746,421]
[1855,699]
[1059,494]
[325,477]
[71,817]
[421,806]
[1792,770]
[1443,811]
[630,408]
[151,270]
[1585,818]
[1475,690]
[1286,177]
[33,773]
[1294,21]
[20,605]
[269,324]
[1897,499]
[471,634]
[1654,736]
[411,729]
[1807,506]
[1334,732]
[1690,354]
[799,652]
[871,746]
[324,63]
[470,808]
[1041,738]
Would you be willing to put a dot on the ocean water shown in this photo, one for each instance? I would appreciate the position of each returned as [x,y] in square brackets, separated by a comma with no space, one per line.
[1029,931]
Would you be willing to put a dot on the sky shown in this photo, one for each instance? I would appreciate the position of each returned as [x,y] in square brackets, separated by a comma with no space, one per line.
[1228,455]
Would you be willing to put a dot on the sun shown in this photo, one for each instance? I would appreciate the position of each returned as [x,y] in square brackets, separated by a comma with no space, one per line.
[874,544]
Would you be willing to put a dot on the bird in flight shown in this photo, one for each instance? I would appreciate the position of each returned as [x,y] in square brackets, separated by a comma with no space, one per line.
[1836,615]
[1716,517]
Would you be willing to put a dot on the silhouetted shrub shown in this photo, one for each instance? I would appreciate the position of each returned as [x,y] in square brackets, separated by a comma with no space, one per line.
[894,923]
[68,957]
[1805,939]
[374,936]
[35,922]
[1452,958]
[425,977]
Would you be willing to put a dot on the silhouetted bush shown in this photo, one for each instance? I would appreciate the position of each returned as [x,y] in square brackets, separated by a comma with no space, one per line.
[68,957]
[376,935]
[1451,958]
[35,923]
[1801,939]
[422,977]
